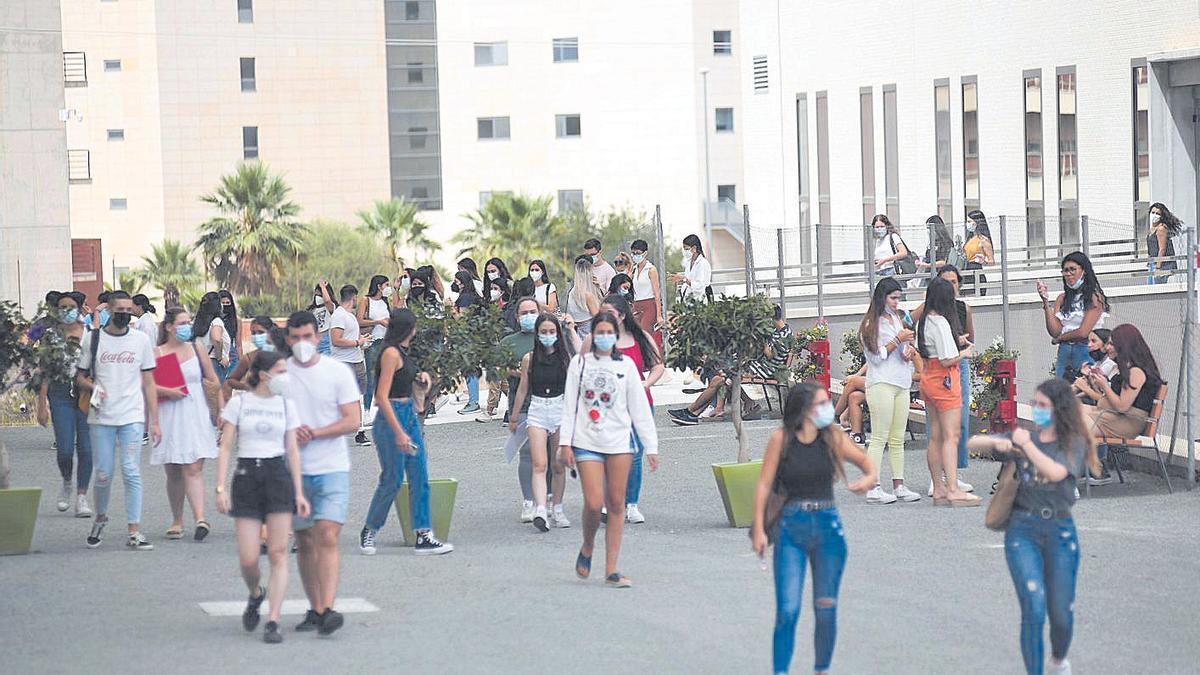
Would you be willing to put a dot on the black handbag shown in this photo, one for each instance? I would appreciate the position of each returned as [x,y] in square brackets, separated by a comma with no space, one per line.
[907,264]
[773,509]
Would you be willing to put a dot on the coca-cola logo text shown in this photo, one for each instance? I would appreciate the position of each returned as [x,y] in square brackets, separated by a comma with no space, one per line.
[117,357]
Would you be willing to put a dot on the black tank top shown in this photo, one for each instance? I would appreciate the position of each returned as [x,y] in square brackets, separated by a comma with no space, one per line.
[806,470]
[402,379]
[1144,400]
[546,380]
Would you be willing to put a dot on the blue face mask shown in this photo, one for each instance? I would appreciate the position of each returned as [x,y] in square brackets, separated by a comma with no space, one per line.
[605,342]
[184,333]
[548,340]
[1043,417]
[623,291]
[527,322]
[823,415]
[69,315]
[104,317]
[592,258]
[1077,285]
[259,340]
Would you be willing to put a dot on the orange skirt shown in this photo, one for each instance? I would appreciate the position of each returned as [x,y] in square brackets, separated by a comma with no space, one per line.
[933,386]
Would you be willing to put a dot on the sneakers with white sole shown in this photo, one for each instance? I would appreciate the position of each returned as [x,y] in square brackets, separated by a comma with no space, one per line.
[95,537]
[64,496]
[366,541]
[526,512]
[962,485]
[1061,668]
[539,519]
[138,542]
[82,510]
[633,515]
[558,518]
[905,495]
[877,495]
[427,544]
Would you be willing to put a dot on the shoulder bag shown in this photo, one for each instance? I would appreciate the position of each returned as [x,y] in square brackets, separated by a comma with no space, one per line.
[776,500]
[999,509]
[907,264]
[212,393]
[84,400]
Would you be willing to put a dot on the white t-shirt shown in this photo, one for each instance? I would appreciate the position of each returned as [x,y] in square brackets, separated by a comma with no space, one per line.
[262,424]
[883,249]
[542,293]
[939,339]
[207,347]
[322,315]
[120,362]
[376,311]
[146,324]
[319,391]
[350,331]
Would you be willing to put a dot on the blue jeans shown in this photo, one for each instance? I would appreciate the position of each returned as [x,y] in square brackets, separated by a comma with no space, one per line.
[1071,356]
[393,464]
[106,441]
[473,390]
[1043,558]
[71,435]
[325,346]
[633,487]
[815,537]
[221,371]
[372,353]
[964,374]
[233,358]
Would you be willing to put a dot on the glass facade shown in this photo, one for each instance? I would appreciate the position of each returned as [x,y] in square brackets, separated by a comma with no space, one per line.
[866,121]
[1035,208]
[1141,149]
[1068,159]
[825,252]
[414,129]
[891,154]
[970,133]
[941,125]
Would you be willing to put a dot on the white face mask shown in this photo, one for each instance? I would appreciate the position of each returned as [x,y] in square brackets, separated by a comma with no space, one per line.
[1155,218]
[279,384]
[536,275]
[970,226]
[492,276]
[495,295]
[304,351]
[387,292]
[687,254]
[318,300]
[880,232]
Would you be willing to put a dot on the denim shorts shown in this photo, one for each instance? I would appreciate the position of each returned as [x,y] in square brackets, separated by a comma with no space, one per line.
[545,413]
[582,455]
[329,496]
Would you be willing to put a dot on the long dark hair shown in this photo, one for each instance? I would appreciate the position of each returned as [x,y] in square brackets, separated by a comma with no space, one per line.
[262,362]
[230,316]
[1090,288]
[694,241]
[887,222]
[140,300]
[610,319]
[500,267]
[943,243]
[939,298]
[541,265]
[466,286]
[401,324]
[1133,352]
[210,308]
[502,285]
[1069,424]
[167,325]
[1167,218]
[468,264]
[650,355]
[981,225]
[374,288]
[796,411]
[619,280]
[868,330]
[317,291]
[562,351]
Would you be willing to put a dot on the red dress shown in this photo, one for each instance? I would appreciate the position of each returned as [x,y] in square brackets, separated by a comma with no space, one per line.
[635,353]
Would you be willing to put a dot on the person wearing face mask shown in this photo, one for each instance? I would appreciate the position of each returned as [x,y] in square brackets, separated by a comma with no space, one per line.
[621,285]
[583,299]
[322,307]
[372,314]
[468,265]
[467,299]
[1079,309]
[889,246]
[498,292]
[978,251]
[602,272]
[518,345]
[115,371]
[98,317]
[267,487]
[696,279]
[263,337]
[233,325]
[495,269]
[1041,543]
[212,335]
[544,291]
[1160,247]
[802,461]
[348,343]
[188,437]
[647,292]
[145,313]
[57,401]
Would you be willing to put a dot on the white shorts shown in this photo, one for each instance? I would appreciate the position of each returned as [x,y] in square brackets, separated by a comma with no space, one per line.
[545,413]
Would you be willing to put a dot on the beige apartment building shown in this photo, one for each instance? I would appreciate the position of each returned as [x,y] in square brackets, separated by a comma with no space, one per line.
[443,103]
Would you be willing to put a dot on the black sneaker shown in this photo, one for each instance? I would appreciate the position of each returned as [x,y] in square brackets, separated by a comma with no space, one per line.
[311,622]
[138,542]
[361,438]
[250,617]
[271,634]
[683,417]
[94,538]
[366,541]
[330,621]
[427,544]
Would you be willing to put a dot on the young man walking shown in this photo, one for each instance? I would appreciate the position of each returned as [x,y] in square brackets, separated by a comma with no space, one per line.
[116,368]
[347,343]
[328,402]
[602,272]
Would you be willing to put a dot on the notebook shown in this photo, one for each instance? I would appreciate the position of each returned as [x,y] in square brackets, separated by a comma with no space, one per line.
[168,374]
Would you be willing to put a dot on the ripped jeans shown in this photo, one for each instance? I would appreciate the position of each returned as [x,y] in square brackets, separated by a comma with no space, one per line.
[1043,558]
[109,443]
[815,537]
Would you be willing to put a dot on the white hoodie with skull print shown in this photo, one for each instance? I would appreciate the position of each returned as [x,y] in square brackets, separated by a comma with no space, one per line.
[604,403]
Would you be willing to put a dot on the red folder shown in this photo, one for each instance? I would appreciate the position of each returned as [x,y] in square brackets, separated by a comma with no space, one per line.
[168,374]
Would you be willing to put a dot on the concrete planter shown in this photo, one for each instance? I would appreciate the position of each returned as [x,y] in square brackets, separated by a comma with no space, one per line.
[18,515]
[442,493]
[737,483]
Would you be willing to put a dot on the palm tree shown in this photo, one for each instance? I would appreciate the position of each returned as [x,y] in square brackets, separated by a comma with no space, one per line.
[255,235]
[514,229]
[171,268]
[130,282]
[398,225]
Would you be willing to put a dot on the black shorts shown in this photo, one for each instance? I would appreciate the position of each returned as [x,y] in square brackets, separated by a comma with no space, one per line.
[261,487]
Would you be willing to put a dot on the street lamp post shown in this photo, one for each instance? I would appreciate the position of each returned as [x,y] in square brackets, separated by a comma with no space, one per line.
[707,168]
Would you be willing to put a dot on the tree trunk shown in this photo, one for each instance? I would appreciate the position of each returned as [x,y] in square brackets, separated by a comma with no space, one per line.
[738,428]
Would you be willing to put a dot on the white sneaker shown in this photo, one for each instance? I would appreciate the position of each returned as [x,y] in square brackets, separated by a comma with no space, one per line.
[539,519]
[711,412]
[689,378]
[82,510]
[878,496]
[484,416]
[633,515]
[930,493]
[905,495]
[64,496]
[965,486]
[558,518]
[1063,668]
[526,512]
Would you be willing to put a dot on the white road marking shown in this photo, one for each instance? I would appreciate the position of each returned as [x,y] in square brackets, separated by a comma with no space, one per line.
[294,606]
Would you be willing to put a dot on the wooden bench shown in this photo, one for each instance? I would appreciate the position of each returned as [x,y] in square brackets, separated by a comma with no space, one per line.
[1118,445]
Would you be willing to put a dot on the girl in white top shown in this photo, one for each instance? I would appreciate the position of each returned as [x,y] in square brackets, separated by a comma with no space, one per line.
[889,247]
[544,292]
[188,437]
[695,280]
[1077,311]
[604,402]
[266,487]
[211,336]
[583,300]
[145,313]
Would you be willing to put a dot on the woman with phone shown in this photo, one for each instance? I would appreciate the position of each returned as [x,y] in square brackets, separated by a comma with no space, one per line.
[1124,402]
[1080,308]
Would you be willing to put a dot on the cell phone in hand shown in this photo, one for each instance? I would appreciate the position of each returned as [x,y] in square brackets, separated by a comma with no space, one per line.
[946,383]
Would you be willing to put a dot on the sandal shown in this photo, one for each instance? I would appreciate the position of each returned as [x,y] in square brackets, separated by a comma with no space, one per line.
[616,580]
[970,500]
[202,529]
[583,566]
[175,533]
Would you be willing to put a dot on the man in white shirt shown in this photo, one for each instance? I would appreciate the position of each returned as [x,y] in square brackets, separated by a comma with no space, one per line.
[347,344]
[328,401]
[602,272]
[116,366]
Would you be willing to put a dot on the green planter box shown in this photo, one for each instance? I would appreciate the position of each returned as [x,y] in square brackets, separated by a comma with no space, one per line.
[442,493]
[737,483]
[18,514]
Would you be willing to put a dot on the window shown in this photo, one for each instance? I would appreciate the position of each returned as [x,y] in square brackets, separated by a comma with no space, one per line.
[803,177]
[1068,159]
[491,53]
[75,69]
[722,42]
[493,128]
[417,137]
[116,134]
[418,192]
[727,193]
[724,119]
[941,125]
[760,74]
[1035,211]
[416,72]
[566,50]
[112,65]
[891,154]
[118,204]
[249,142]
[970,140]
[823,217]
[570,200]
[567,126]
[412,11]
[866,121]
[248,81]
[79,166]
[1141,148]
[245,11]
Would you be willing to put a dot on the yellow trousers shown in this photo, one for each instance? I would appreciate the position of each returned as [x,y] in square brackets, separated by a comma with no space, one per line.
[889,420]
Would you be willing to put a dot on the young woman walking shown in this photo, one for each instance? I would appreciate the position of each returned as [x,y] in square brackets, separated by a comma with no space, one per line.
[888,348]
[696,279]
[1040,542]
[941,390]
[1159,246]
[544,291]
[229,315]
[889,246]
[264,336]
[466,299]
[372,313]
[262,425]
[544,380]
[803,459]
[211,334]
[188,437]
[399,440]
[583,300]
[647,292]
[1080,308]
[978,250]
[604,403]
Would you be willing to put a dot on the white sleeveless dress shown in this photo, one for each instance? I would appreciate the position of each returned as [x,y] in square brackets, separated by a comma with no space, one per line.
[187,432]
